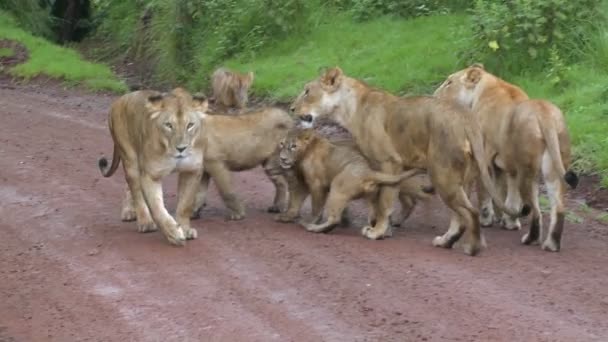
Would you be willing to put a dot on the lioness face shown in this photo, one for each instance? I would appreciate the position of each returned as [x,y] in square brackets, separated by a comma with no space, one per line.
[178,120]
[320,98]
[461,87]
[292,148]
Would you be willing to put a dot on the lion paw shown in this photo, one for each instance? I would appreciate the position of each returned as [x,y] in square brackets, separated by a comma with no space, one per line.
[273,209]
[373,234]
[471,249]
[146,227]
[527,239]
[128,215]
[176,236]
[196,214]
[550,245]
[235,216]
[286,218]
[190,233]
[510,224]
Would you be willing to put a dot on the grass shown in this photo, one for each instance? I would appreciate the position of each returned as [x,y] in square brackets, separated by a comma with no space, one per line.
[54,61]
[414,56]
[384,52]
[6,52]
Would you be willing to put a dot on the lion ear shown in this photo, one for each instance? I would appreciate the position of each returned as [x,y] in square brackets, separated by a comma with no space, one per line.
[473,76]
[155,104]
[332,78]
[250,76]
[477,65]
[200,103]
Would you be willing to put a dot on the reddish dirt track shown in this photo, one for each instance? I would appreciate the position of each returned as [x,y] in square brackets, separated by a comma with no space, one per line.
[70,270]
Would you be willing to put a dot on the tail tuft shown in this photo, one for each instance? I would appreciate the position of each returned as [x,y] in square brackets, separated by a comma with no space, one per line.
[571,179]
[525,211]
[103,163]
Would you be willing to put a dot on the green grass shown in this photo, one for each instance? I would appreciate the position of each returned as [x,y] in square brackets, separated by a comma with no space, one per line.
[414,56]
[6,52]
[54,61]
[386,52]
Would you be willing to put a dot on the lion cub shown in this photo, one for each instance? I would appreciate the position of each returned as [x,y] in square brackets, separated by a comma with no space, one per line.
[230,89]
[333,174]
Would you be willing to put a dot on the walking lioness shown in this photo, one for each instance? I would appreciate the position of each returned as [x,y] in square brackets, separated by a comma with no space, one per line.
[155,134]
[412,132]
[523,138]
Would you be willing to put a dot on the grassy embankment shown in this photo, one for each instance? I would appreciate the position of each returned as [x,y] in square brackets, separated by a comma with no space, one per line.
[414,56]
[48,59]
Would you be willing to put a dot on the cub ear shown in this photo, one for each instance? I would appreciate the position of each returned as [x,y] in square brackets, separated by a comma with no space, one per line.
[154,104]
[332,78]
[250,76]
[477,65]
[200,103]
[473,76]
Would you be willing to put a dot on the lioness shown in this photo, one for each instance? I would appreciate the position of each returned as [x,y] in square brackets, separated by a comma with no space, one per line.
[230,88]
[155,134]
[238,143]
[523,137]
[333,175]
[411,132]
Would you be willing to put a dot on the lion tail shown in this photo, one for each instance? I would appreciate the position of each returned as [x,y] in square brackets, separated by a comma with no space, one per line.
[106,170]
[380,178]
[475,138]
[549,133]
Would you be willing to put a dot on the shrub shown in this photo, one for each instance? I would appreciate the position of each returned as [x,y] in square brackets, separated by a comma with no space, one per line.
[507,32]
[369,9]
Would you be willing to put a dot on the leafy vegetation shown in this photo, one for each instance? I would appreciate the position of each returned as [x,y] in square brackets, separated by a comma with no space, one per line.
[51,60]
[6,52]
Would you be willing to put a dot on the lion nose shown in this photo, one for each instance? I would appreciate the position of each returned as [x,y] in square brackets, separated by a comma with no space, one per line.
[181,149]
[306,118]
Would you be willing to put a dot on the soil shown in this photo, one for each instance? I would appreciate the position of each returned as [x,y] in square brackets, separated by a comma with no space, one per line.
[70,270]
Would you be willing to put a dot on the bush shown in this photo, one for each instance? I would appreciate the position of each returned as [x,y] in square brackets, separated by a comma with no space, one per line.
[369,9]
[30,15]
[506,32]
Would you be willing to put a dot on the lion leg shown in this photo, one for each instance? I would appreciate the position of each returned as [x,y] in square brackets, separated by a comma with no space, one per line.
[334,207]
[153,194]
[555,192]
[531,196]
[487,215]
[145,223]
[200,197]
[383,208]
[221,177]
[187,188]
[408,203]
[280,194]
[512,202]
[127,212]
[298,192]
[318,197]
[455,231]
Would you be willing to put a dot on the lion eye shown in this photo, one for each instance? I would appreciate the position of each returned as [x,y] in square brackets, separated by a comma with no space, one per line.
[168,125]
[190,125]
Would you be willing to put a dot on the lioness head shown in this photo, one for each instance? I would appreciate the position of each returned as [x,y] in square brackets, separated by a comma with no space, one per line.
[320,98]
[178,118]
[462,86]
[293,146]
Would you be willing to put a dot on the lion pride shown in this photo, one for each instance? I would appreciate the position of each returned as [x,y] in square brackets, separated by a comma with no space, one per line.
[397,133]
[523,138]
[154,135]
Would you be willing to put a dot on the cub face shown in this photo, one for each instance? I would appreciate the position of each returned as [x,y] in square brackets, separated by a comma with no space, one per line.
[293,147]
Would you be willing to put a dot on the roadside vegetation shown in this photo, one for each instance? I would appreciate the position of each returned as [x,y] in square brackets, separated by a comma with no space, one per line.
[47,59]
[554,49]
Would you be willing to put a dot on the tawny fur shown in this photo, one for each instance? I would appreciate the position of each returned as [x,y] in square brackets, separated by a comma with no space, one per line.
[238,143]
[398,133]
[524,138]
[230,89]
[333,174]
[154,135]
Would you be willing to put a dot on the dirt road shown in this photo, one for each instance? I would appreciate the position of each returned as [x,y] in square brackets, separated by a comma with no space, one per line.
[70,270]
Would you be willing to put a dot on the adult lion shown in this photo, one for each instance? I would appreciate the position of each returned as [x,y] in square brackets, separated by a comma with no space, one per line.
[238,143]
[230,88]
[333,174]
[523,138]
[412,132]
[154,135]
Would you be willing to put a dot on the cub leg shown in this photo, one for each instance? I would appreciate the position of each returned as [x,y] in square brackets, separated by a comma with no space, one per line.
[221,177]
[334,208]
[201,196]
[298,192]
